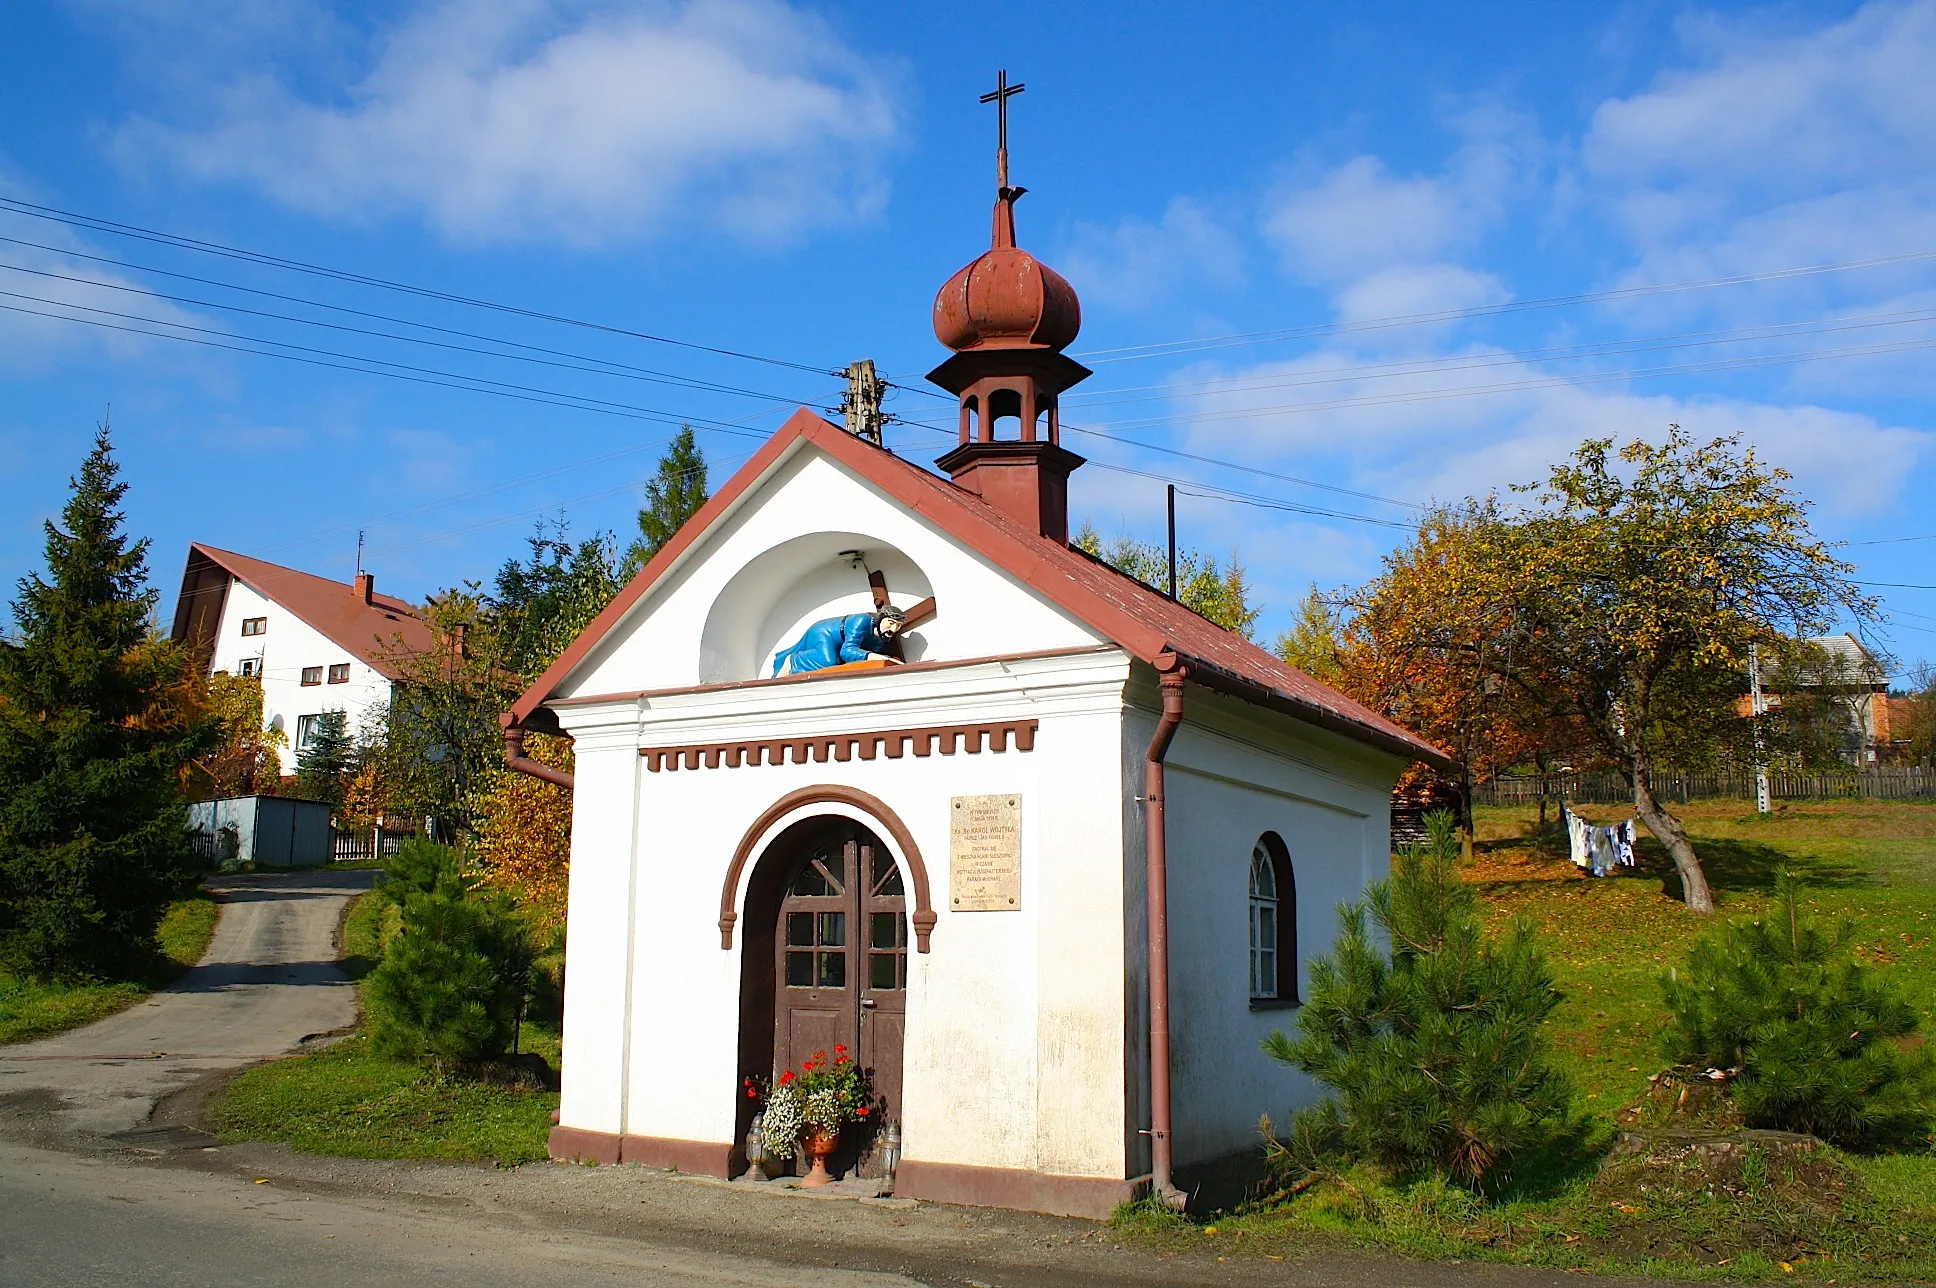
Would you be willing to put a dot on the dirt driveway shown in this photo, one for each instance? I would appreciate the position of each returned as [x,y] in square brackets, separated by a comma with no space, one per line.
[270,979]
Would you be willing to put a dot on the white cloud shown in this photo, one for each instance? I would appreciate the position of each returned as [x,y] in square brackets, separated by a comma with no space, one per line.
[1136,263]
[1361,218]
[1777,151]
[547,118]
[1432,288]
[1433,434]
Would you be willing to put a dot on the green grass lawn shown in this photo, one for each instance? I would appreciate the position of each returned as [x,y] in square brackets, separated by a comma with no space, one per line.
[32,1009]
[348,1101]
[1609,940]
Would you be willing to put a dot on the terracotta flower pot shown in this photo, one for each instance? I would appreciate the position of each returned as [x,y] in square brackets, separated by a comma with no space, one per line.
[820,1142]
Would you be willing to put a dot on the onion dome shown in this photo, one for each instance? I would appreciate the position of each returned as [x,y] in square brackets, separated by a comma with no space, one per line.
[1006,298]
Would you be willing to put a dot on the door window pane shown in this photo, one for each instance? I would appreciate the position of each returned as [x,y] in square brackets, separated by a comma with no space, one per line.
[833,970]
[886,971]
[885,879]
[833,929]
[818,878]
[800,929]
[799,970]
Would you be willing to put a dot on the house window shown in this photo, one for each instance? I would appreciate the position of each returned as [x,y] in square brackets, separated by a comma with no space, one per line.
[312,675]
[1273,924]
[255,626]
[252,666]
[339,673]
[307,728]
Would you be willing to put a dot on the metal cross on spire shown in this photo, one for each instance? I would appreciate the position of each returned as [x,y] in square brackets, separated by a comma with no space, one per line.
[999,96]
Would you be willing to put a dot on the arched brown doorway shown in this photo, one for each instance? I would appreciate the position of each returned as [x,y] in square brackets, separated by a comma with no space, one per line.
[826,962]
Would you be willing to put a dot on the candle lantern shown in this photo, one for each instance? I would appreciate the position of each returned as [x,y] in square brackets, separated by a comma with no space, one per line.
[890,1155]
[756,1150]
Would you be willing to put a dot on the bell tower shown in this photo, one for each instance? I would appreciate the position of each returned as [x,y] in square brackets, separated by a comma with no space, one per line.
[1008,316]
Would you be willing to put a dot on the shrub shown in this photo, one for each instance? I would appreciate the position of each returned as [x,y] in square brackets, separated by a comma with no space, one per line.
[452,988]
[421,867]
[1431,1043]
[1817,1037]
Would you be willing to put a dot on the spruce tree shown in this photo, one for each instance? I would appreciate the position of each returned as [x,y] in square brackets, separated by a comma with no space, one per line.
[1823,1044]
[1430,1041]
[325,767]
[95,730]
[673,496]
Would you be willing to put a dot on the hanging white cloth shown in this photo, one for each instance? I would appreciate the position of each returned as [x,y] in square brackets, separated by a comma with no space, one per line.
[1598,850]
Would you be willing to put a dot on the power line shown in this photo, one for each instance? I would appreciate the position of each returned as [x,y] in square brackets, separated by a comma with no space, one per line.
[1168,348]
[398,371]
[95,224]
[624,370]
[1890,541]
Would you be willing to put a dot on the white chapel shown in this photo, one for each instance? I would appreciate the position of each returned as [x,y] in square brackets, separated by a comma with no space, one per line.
[1051,858]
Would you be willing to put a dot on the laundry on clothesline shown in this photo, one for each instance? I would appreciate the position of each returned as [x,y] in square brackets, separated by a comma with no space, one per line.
[1598,850]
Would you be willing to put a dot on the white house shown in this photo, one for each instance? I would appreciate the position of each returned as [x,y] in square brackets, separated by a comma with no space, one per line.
[318,645]
[952,863]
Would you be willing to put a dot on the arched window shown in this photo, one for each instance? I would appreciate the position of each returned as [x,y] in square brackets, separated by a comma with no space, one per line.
[1273,924]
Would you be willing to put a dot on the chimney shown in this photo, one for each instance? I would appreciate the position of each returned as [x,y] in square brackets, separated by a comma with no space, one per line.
[365,586]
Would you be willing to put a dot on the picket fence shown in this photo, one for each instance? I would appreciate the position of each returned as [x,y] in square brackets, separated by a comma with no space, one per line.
[368,843]
[1885,783]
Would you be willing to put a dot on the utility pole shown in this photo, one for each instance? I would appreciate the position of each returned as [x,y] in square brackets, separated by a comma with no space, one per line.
[861,404]
[1759,707]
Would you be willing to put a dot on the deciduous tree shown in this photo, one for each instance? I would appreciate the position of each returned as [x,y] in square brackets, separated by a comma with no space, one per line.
[1314,644]
[1639,589]
[1218,591]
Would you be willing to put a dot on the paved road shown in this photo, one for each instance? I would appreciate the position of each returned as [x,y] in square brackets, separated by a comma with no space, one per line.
[269,980]
[72,1220]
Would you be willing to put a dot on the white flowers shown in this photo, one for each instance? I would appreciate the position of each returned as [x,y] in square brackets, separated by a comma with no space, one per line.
[785,1108]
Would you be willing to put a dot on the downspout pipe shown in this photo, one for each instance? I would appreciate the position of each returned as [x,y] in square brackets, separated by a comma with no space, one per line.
[514,757]
[1156,882]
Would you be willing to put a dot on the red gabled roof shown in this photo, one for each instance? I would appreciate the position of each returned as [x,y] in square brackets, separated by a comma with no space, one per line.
[372,632]
[1147,625]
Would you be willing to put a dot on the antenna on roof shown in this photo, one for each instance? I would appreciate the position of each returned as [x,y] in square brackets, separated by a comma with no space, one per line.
[359,552]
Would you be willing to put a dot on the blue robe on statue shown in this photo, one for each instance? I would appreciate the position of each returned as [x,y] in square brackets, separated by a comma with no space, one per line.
[831,641]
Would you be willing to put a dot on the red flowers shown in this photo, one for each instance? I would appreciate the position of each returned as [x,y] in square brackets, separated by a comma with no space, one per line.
[788,1076]
[839,1049]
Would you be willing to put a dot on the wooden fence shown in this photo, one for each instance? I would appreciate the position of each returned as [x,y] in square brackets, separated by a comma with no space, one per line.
[368,843]
[1888,783]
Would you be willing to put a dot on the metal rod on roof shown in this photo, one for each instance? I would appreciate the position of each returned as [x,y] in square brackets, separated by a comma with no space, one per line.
[1172,541]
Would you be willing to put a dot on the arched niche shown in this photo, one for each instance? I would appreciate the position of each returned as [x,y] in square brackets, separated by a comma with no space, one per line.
[783,590]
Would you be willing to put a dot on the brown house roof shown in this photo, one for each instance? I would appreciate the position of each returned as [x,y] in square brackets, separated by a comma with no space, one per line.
[372,632]
[1144,623]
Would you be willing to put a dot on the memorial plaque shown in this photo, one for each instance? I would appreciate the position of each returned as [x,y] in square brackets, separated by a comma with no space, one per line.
[985,853]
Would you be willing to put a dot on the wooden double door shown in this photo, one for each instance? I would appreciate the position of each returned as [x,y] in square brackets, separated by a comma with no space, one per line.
[841,959]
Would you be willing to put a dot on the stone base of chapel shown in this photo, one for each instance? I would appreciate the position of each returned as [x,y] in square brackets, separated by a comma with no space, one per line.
[1003,1187]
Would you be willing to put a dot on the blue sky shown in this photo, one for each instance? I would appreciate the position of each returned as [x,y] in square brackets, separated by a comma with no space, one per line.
[1258,204]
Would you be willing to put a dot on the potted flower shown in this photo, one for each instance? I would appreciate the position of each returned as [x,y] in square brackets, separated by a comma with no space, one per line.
[806,1110]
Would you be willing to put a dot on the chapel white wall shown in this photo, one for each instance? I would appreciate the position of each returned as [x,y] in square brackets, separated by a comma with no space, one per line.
[1235,771]
[287,646]
[1014,1046]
